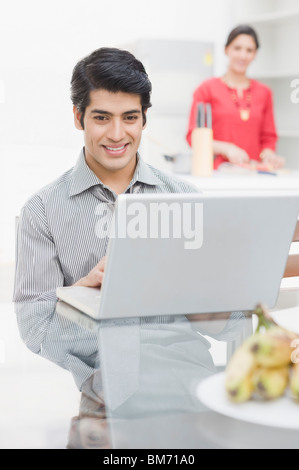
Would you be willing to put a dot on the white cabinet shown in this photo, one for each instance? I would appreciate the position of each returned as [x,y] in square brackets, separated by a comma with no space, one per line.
[277,64]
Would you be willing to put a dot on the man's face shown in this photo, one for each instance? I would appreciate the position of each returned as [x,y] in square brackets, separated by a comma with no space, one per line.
[113,125]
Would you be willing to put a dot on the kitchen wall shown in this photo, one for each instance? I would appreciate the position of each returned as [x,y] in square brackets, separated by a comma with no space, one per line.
[40,42]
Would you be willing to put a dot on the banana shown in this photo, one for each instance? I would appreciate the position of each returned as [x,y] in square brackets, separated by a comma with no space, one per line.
[238,376]
[294,380]
[271,383]
[272,348]
[263,364]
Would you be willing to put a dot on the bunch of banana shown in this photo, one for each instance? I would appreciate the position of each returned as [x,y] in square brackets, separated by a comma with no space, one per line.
[263,366]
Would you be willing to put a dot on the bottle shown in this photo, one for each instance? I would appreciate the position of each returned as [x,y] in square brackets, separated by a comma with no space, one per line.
[202,144]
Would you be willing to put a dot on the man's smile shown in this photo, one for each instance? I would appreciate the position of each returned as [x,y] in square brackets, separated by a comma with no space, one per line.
[115,150]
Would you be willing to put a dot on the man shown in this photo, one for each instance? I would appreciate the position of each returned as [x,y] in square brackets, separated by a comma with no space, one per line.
[62,238]
[57,243]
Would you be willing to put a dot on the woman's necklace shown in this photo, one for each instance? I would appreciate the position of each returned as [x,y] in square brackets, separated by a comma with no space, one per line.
[244,105]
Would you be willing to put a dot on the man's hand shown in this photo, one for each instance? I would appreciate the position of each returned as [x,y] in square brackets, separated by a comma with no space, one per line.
[95,277]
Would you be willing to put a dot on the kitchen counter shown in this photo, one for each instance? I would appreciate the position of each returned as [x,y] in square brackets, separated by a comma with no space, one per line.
[244,181]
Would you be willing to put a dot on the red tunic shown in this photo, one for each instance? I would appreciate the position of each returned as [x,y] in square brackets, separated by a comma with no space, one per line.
[253,135]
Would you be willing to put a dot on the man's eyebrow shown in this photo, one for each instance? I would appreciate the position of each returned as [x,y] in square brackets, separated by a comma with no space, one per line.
[101,111]
[133,111]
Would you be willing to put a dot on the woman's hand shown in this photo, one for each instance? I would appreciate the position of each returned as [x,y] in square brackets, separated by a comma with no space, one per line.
[232,152]
[236,155]
[95,277]
[269,157]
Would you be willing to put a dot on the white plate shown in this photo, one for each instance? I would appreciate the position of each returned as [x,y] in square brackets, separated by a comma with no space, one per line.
[280,413]
[287,318]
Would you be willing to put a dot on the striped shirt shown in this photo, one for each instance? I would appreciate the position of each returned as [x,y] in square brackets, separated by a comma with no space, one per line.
[57,243]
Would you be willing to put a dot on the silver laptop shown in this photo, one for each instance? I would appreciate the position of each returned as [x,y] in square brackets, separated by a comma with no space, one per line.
[192,253]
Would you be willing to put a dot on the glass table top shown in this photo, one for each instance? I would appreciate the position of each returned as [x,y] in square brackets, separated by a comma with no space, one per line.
[140,379]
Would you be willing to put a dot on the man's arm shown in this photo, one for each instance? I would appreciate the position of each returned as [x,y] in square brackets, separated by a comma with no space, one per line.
[292,266]
[296,234]
[38,271]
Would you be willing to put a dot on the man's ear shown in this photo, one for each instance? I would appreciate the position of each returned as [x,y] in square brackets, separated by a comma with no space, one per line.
[145,119]
[77,118]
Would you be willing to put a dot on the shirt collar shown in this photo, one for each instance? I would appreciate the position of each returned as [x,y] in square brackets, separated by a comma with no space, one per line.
[84,178]
[144,174]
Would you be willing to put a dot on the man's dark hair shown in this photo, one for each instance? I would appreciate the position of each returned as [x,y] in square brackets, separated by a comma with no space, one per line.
[243,29]
[110,69]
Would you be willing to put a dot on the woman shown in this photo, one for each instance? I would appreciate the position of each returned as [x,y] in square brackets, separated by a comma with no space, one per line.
[242,108]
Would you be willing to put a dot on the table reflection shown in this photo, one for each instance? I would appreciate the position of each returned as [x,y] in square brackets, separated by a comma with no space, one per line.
[137,377]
